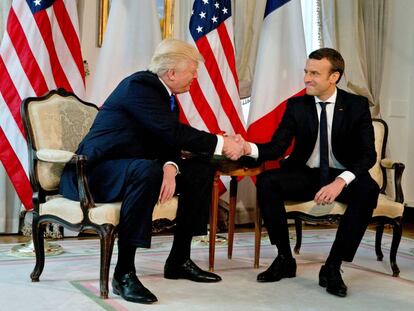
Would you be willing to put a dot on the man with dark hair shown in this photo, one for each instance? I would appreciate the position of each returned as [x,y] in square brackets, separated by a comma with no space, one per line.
[333,151]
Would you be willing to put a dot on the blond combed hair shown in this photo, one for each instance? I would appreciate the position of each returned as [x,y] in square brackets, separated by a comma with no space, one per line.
[170,53]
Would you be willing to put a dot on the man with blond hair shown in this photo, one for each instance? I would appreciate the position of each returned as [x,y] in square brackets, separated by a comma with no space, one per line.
[134,156]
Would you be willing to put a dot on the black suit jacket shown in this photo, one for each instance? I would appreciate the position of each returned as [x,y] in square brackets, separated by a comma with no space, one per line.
[135,122]
[352,136]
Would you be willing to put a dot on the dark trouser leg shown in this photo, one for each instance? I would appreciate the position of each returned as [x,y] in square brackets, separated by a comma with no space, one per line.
[194,186]
[126,260]
[273,188]
[361,196]
[142,188]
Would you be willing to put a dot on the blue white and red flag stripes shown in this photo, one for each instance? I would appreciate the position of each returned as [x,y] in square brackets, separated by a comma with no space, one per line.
[40,51]
[279,67]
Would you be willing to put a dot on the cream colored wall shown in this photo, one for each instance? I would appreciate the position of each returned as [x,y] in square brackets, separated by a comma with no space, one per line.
[397,92]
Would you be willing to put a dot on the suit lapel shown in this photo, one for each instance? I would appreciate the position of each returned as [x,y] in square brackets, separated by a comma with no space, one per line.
[338,116]
[312,114]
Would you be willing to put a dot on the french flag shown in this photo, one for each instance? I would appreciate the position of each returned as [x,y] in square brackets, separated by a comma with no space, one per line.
[279,67]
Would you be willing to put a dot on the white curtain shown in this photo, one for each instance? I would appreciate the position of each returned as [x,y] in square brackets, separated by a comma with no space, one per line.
[132,33]
[9,202]
[357,29]
[248,19]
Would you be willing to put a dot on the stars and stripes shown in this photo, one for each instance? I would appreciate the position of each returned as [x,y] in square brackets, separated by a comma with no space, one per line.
[213,102]
[40,51]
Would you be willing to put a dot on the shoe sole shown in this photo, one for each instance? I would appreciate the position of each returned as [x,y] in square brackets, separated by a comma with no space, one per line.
[176,276]
[171,276]
[336,293]
[118,293]
[324,283]
[288,276]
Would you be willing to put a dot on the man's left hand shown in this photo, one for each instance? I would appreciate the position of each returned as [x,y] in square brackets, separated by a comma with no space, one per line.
[168,183]
[327,194]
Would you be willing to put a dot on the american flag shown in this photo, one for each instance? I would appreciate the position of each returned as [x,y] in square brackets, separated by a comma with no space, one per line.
[40,51]
[213,102]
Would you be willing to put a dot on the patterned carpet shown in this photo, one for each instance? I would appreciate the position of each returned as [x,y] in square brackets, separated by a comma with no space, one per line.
[70,280]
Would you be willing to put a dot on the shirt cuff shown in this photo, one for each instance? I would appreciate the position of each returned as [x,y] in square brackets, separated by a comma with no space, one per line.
[174,164]
[254,151]
[219,146]
[347,176]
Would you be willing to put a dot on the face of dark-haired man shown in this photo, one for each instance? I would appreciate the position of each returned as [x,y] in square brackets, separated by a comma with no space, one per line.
[319,79]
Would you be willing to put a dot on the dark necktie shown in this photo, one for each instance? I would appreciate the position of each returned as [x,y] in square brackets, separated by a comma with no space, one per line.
[323,146]
[172,102]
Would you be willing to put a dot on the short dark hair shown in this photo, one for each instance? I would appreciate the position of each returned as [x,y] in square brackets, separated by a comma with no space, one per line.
[333,56]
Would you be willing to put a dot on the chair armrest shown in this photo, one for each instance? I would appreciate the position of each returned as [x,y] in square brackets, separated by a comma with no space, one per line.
[398,168]
[54,155]
[389,163]
[63,157]
[85,196]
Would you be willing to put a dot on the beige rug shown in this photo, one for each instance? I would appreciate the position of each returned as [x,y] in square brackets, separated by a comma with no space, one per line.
[70,280]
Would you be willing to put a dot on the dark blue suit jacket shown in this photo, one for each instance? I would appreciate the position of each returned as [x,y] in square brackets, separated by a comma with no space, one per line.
[352,135]
[135,122]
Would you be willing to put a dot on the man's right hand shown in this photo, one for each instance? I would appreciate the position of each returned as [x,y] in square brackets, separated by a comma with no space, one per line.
[233,147]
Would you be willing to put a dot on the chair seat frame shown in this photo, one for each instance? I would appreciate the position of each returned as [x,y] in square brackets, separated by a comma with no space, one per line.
[106,232]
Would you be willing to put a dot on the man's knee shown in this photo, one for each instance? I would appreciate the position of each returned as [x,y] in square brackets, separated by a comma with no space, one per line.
[149,171]
[365,185]
[267,181]
[364,189]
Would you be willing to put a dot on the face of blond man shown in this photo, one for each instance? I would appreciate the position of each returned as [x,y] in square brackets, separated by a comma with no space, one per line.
[180,78]
[319,79]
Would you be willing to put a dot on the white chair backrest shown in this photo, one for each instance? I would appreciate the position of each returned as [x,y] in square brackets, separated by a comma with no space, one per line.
[58,122]
[375,171]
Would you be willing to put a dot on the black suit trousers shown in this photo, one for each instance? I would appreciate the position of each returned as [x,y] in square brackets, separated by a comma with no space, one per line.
[194,185]
[301,184]
[142,188]
[140,193]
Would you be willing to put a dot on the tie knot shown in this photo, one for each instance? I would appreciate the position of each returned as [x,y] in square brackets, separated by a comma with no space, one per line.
[323,104]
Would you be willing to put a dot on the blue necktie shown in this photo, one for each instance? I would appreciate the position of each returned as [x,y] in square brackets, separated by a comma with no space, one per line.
[323,146]
[172,102]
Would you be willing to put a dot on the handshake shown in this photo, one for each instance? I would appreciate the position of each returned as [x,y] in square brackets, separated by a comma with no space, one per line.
[235,146]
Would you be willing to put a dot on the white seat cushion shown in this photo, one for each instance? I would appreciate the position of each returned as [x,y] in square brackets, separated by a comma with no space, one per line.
[313,209]
[102,212]
[386,207]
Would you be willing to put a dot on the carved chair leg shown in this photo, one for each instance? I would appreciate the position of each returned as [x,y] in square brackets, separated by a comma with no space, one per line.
[378,241]
[213,222]
[107,238]
[396,238]
[298,229]
[232,215]
[38,230]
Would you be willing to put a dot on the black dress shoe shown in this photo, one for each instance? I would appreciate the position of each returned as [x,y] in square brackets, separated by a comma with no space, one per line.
[190,271]
[330,277]
[131,289]
[280,268]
